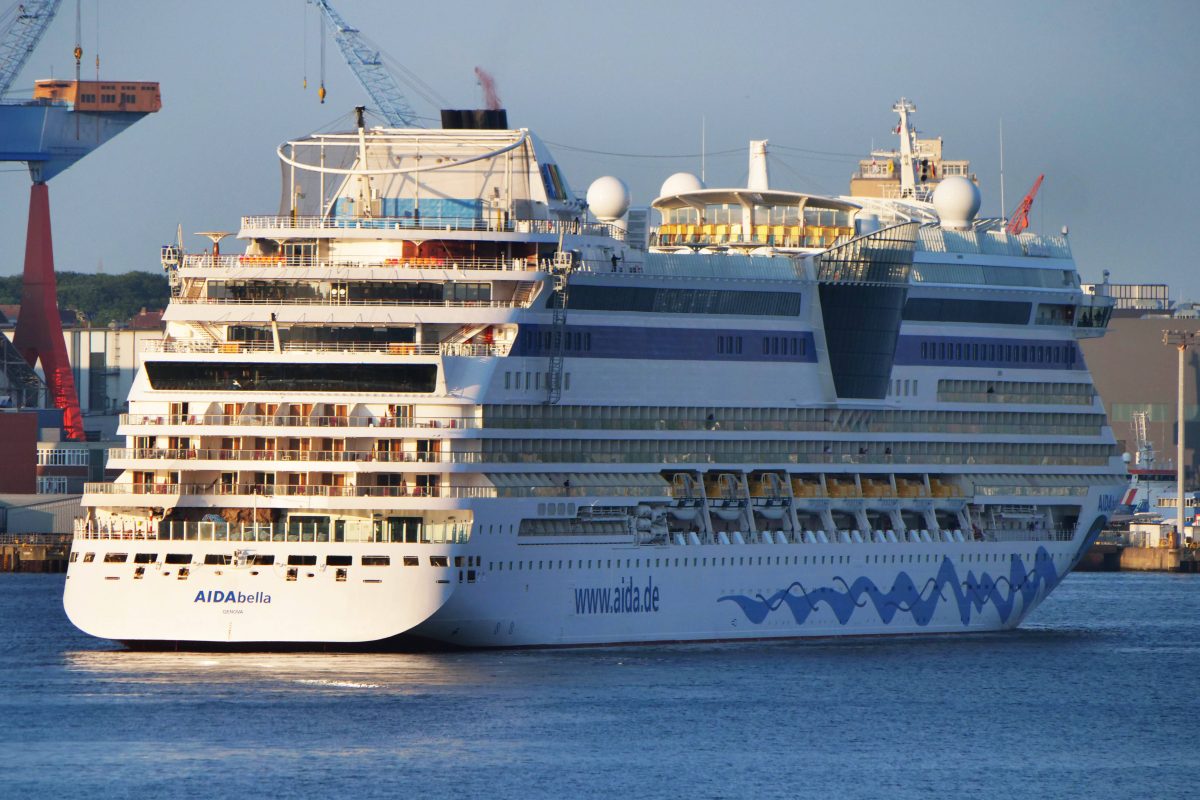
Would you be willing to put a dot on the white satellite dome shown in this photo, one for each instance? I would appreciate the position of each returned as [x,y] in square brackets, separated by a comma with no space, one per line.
[680,183]
[608,198]
[956,201]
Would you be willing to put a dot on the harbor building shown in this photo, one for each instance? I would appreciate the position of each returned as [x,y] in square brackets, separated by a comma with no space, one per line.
[104,362]
[1136,373]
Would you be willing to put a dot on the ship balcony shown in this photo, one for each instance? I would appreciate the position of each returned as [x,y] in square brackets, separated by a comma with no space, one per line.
[333,301]
[439,495]
[501,225]
[208,458]
[208,261]
[207,346]
[153,423]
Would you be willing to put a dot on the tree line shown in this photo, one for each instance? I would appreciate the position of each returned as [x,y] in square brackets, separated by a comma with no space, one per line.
[99,299]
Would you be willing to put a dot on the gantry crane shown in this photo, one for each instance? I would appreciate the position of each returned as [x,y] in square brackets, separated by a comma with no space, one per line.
[63,122]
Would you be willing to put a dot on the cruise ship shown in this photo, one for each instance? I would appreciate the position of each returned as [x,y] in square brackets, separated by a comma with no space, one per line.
[439,399]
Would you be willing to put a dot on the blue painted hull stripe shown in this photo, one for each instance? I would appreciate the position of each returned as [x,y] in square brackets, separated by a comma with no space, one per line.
[970,596]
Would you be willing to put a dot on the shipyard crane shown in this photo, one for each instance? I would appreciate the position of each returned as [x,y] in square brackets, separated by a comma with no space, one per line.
[1019,220]
[63,122]
[20,36]
[366,63]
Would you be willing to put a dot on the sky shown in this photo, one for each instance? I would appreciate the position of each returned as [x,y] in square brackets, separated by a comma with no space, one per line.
[1097,95]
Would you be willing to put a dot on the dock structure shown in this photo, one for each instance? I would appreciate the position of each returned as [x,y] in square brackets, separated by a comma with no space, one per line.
[36,552]
[1115,556]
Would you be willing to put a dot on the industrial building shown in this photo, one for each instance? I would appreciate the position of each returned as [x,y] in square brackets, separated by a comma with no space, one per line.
[1135,371]
[104,362]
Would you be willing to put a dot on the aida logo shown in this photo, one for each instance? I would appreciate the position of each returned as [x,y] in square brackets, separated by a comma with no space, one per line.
[624,598]
[218,596]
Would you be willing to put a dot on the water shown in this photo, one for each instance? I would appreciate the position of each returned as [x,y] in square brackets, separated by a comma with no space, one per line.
[1093,697]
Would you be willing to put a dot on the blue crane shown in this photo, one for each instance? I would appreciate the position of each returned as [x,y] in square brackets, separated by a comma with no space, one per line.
[20,35]
[368,67]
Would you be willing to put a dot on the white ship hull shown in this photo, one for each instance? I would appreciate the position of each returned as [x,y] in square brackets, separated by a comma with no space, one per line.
[232,604]
[554,594]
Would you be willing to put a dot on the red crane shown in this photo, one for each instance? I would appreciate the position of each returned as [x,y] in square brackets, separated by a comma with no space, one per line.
[1019,220]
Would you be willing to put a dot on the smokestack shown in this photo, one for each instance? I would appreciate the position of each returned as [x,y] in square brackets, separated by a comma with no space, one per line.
[758,166]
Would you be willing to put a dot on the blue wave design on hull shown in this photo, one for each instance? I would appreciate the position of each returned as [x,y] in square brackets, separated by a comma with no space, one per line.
[970,595]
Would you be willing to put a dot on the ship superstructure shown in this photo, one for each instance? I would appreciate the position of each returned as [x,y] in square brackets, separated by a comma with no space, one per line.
[437,397]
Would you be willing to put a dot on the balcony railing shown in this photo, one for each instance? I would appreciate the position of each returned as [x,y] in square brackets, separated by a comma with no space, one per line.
[345,301]
[297,421]
[326,456]
[209,261]
[276,490]
[394,349]
[436,224]
[347,531]
[250,491]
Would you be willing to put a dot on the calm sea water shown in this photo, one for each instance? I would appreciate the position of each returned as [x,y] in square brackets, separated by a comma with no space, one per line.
[1095,697]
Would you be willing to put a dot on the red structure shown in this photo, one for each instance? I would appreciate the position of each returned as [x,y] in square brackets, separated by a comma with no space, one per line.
[18,442]
[1019,220]
[39,331]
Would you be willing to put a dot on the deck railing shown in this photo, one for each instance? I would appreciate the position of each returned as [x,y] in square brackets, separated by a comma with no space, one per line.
[277,490]
[456,532]
[492,225]
[388,348]
[296,421]
[346,301]
[209,261]
[328,456]
[250,491]
[205,531]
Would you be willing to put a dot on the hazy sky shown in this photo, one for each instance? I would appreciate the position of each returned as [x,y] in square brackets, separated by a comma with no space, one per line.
[1098,95]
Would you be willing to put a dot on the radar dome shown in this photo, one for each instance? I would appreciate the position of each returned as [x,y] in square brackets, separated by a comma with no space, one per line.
[680,183]
[608,198]
[956,201]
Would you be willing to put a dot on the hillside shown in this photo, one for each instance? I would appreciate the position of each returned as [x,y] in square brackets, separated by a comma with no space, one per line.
[100,299]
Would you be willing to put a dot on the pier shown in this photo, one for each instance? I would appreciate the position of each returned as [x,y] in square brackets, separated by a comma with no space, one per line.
[34,552]
[1107,555]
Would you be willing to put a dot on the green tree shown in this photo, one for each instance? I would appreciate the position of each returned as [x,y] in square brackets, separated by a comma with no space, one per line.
[100,299]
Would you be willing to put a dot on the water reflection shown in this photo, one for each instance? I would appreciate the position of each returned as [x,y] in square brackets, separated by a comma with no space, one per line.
[309,671]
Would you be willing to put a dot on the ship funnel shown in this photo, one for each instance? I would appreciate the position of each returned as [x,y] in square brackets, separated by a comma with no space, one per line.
[475,119]
[758,166]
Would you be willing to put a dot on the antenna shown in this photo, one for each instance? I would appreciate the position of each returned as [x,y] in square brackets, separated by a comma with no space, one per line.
[908,137]
[703,138]
[78,53]
[1003,204]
